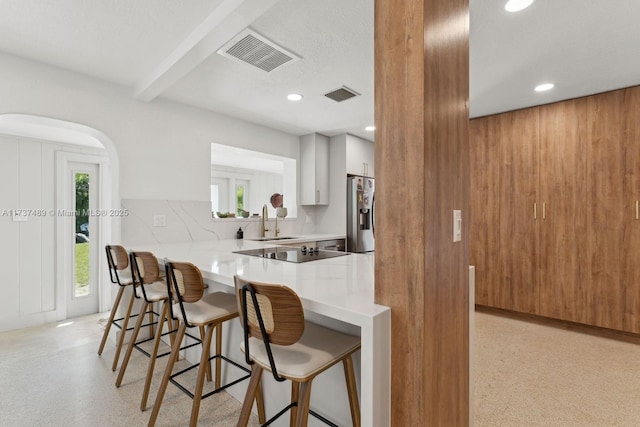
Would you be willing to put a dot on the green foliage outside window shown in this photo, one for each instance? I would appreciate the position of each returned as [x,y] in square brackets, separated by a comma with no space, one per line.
[240,200]
[82,199]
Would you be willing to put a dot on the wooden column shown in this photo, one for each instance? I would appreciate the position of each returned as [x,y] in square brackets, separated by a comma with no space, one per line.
[422,175]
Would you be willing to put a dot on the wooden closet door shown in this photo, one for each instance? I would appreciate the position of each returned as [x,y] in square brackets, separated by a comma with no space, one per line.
[484,199]
[562,218]
[605,211]
[631,223]
[504,157]
[518,227]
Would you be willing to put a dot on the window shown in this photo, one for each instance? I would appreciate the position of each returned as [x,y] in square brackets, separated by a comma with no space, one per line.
[219,195]
[242,196]
[245,180]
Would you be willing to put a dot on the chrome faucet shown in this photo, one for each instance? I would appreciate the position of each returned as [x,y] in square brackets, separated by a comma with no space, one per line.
[265,218]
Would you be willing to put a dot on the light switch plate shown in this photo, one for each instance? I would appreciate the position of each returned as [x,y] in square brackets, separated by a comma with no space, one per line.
[159,221]
[457,225]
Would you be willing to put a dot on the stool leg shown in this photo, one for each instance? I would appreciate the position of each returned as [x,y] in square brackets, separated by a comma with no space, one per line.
[175,351]
[219,353]
[112,316]
[303,404]
[154,355]
[202,370]
[252,388]
[132,343]
[352,390]
[151,321]
[125,324]
[172,326]
[208,368]
[260,404]
[295,395]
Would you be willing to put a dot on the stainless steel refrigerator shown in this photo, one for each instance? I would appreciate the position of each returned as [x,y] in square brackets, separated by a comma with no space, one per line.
[360,227]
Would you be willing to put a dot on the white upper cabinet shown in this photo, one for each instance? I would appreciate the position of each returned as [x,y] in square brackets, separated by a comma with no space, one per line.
[314,169]
[359,155]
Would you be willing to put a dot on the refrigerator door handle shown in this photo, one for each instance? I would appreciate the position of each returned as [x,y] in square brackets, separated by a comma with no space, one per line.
[373,212]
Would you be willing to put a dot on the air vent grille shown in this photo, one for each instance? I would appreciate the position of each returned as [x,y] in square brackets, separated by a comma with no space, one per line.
[253,49]
[341,94]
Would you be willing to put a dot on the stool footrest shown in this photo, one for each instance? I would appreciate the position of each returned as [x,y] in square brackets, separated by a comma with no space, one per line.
[146,353]
[321,418]
[144,340]
[279,414]
[131,328]
[221,388]
[291,405]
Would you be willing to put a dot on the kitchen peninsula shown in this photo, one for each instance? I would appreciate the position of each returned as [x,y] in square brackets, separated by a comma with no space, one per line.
[338,292]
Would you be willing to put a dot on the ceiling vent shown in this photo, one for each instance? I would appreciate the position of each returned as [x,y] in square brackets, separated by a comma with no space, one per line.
[253,49]
[341,94]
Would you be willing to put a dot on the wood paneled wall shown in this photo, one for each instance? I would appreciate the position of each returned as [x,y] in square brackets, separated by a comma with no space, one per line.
[579,161]
[422,171]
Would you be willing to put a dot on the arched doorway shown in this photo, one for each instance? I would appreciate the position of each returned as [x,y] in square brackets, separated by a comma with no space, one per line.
[49,290]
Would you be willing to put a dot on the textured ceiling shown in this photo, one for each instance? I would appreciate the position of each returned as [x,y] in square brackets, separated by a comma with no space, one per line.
[115,40]
[336,46]
[583,46]
[164,49]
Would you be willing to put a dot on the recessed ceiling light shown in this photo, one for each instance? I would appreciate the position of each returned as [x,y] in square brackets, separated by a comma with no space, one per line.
[370,128]
[294,97]
[544,87]
[517,5]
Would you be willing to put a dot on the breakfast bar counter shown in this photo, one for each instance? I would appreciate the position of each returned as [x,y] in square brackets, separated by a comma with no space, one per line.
[334,289]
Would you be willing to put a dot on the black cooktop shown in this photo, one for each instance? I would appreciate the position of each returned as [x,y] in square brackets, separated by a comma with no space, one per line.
[291,254]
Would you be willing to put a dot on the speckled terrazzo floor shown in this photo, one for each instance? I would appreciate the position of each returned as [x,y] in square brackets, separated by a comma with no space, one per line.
[532,375]
[52,376]
[525,375]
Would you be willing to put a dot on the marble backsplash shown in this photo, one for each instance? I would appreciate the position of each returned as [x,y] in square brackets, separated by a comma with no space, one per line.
[171,221]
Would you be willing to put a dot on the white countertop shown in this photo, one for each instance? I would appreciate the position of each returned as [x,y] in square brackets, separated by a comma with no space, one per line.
[340,287]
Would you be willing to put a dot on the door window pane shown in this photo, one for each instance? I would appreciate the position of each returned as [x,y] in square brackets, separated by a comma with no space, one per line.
[82,216]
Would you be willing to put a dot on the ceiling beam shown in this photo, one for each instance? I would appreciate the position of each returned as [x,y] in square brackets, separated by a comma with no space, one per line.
[224,22]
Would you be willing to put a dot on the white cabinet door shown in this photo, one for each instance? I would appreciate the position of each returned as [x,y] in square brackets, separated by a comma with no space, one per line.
[360,155]
[314,169]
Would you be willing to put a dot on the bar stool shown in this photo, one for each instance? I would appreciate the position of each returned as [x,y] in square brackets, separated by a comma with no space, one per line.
[146,277]
[119,273]
[186,287]
[278,339]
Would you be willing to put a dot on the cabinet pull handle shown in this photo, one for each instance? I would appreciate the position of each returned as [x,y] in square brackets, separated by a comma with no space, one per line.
[535,210]
[317,196]
[637,210]
[544,211]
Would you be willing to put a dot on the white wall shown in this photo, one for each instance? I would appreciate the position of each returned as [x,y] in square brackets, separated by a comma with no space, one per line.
[28,250]
[163,150]
[163,147]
